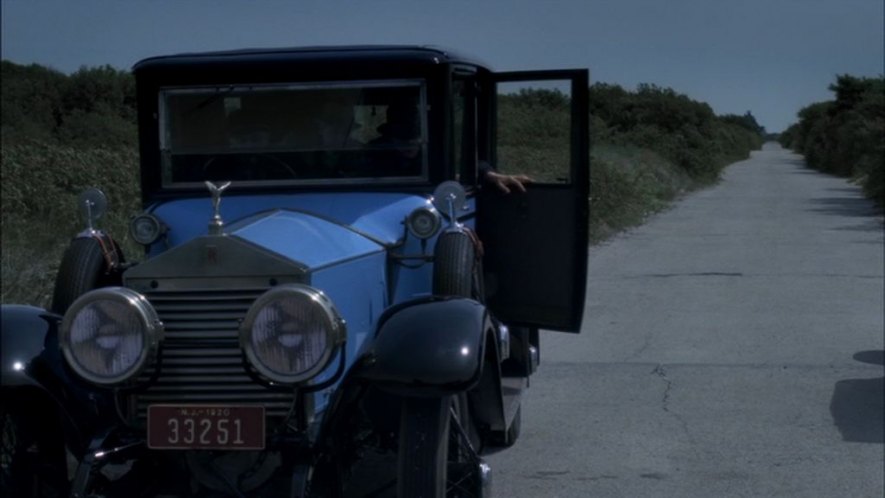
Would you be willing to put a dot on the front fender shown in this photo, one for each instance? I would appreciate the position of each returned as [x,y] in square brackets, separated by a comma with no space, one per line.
[428,346]
[22,337]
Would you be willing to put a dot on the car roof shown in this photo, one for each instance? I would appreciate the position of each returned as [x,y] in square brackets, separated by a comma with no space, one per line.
[393,54]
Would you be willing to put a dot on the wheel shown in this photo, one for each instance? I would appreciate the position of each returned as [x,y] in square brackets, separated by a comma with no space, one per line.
[32,455]
[456,270]
[436,457]
[83,268]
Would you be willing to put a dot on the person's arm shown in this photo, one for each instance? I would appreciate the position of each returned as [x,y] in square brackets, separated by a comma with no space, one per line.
[501,181]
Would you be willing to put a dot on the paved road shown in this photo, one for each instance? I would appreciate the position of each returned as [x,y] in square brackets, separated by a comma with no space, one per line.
[732,346]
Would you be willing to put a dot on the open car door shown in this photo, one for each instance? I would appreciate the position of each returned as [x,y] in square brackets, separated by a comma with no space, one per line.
[536,242]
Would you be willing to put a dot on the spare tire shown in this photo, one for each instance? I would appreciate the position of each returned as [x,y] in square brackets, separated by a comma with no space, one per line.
[83,268]
[455,266]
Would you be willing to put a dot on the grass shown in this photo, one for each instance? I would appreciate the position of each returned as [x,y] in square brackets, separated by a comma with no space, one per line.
[627,184]
[41,183]
[38,193]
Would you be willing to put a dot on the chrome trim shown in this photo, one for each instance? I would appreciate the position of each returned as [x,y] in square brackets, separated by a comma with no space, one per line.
[504,342]
[93,205]
[216,224]
[334,329]
[535,359]
[485,479]
[449,198]
[201,360]
[430,211]
[152,330]
[157,226]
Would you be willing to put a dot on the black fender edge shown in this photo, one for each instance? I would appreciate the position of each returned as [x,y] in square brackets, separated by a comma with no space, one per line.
[430,346]
[22,339]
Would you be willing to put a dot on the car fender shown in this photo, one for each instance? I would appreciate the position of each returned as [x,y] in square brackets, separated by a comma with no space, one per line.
[22,337]
[429,346]
[33,372]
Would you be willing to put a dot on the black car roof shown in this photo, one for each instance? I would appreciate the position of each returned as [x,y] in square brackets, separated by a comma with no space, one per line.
[402,54]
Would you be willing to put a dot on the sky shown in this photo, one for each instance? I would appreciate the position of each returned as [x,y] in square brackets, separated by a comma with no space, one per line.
[769,57]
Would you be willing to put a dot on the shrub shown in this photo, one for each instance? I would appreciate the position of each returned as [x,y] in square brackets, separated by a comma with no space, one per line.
[844,136]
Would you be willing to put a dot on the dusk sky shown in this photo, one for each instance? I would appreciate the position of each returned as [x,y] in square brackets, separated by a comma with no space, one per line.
[770,57]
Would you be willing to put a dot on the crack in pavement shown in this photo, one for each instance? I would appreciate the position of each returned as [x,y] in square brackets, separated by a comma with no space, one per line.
[660,372]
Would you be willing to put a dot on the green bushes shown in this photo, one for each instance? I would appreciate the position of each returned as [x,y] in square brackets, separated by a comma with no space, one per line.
[681,130]
[94,107]
[40,186]
[628,183]
[61,134]
[653,144]
[845,136]
[647,146]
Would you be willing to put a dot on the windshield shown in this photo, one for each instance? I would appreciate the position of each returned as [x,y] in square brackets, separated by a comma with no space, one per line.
[317,133]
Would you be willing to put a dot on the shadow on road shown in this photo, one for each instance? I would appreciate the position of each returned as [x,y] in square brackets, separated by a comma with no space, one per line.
[858,405]
[797,161]
[845,206]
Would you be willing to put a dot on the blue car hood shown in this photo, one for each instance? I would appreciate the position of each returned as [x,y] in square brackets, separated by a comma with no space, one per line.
[312,241]
[314,229]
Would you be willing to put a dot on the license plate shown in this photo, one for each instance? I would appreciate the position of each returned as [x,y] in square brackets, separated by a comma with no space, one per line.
[205,427]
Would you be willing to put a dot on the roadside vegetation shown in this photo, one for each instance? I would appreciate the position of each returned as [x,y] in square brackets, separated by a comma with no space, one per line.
[846,136]
[64,133]
[647,147]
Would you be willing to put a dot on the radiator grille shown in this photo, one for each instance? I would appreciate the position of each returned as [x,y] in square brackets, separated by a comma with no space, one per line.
[201,357]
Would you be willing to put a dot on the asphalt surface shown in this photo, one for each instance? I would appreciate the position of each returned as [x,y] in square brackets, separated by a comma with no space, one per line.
[732,346]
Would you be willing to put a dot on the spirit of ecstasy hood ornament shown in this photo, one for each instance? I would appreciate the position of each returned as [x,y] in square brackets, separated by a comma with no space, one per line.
[216,223]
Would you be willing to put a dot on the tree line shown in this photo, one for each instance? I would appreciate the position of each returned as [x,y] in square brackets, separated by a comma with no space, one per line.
[93,107]
[61,133]
[845,136]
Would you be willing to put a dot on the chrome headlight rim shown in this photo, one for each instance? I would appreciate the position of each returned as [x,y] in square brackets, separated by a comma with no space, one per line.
[334,330]
[152,329]
[428,213]
[150,221]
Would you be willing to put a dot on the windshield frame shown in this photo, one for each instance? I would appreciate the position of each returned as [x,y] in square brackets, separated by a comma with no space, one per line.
[215,91]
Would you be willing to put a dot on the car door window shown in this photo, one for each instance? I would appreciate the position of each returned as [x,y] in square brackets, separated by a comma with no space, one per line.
[534,130]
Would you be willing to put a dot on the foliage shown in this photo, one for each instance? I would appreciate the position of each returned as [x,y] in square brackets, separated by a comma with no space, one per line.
[94,107]
[30,99]
[628,184]
[681,130]
[845,136]
[648,146]
[40,212]
[62,133]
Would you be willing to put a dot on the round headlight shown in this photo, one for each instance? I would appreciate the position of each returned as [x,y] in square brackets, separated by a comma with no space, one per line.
[109,335]
[145,229]
[423,222]
[291,333]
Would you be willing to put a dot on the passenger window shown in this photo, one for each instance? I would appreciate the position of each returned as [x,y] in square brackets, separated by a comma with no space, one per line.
[534,130]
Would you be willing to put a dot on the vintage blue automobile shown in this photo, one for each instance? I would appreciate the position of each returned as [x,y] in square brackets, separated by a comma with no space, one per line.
[333,298]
